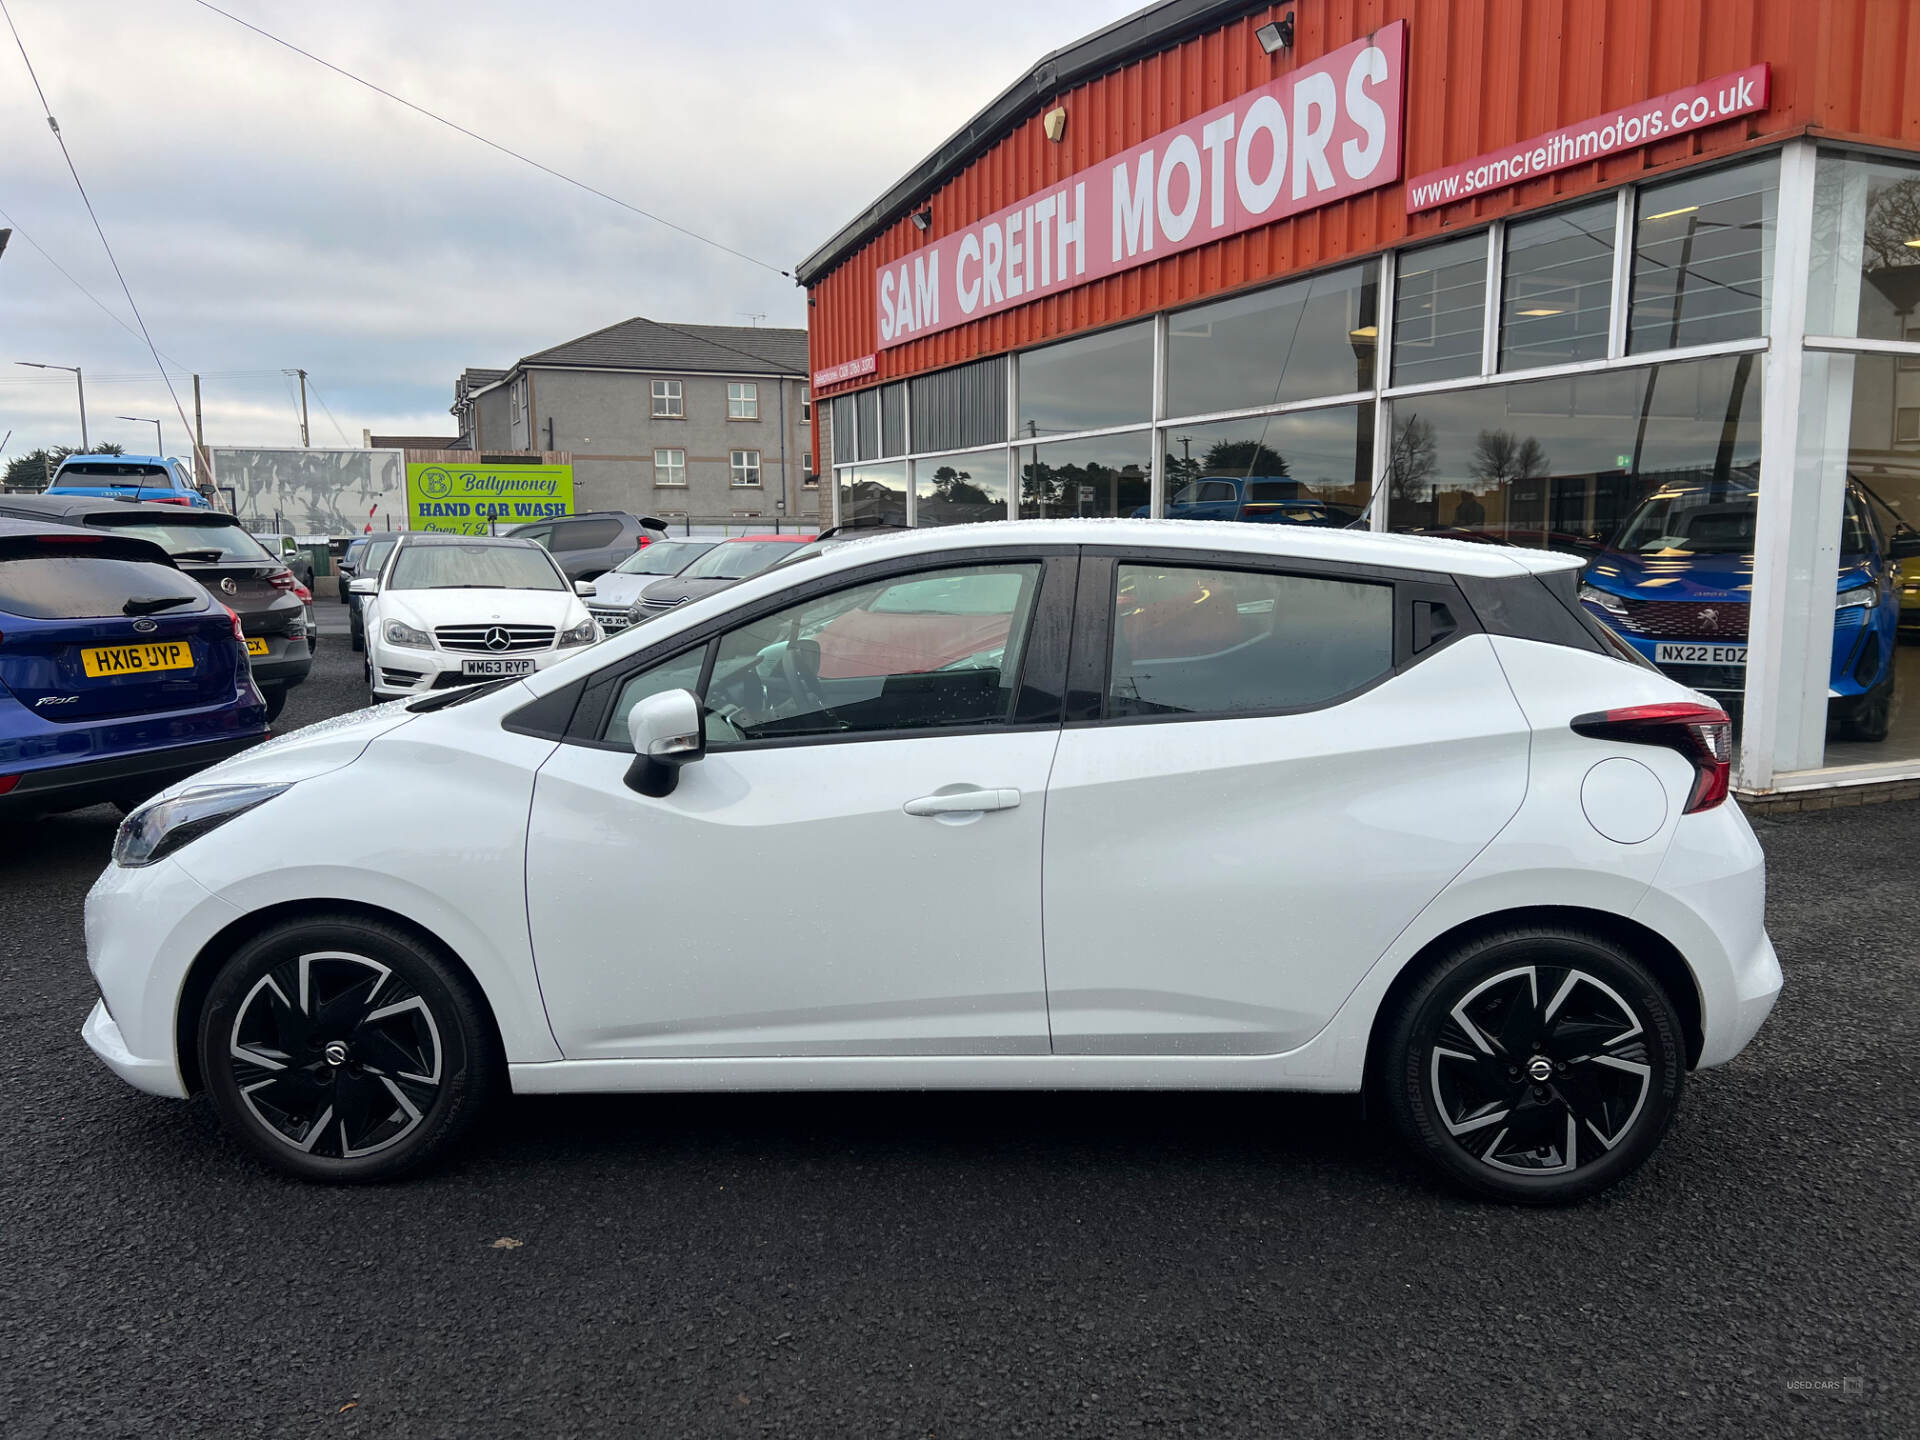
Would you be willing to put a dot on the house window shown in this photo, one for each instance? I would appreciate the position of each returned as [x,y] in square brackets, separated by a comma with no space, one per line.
[806,406]
[670,467]
[743,400]
[746,467]
[669,400]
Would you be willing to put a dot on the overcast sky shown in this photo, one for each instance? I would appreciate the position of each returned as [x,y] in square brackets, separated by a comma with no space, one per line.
[270,214]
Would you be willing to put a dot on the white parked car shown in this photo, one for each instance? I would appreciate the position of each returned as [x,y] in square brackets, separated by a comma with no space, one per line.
[453,610]
[1055,804]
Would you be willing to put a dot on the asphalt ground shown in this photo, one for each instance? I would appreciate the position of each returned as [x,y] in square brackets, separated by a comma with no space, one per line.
[974,1265]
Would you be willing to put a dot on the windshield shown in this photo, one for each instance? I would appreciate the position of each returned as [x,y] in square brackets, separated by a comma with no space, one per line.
[185,540]
[737,559]
[1691,522]
[97,473]
[663,557]
[473,567]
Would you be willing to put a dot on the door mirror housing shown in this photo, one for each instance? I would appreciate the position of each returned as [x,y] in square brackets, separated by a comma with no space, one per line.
[667,732]
[363,585]
[1905,547]
[583,588]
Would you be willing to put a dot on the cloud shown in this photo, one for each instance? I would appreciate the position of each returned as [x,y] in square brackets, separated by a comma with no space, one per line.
[270,214]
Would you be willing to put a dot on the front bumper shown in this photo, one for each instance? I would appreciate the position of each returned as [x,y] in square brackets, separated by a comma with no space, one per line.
[401,672]
[103,1037]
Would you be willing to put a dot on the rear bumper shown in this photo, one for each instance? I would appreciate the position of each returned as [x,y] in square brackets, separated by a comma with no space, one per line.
[89,782]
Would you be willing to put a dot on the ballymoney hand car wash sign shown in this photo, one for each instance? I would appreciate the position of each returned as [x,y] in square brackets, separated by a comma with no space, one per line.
[474,499]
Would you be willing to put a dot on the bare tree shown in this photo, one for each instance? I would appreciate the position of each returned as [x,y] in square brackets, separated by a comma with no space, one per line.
[1415,458]
[1500,457]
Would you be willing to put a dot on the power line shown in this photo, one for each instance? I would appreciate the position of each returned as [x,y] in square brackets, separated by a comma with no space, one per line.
[98,229]
[494,144]
[315,391]
[101,304]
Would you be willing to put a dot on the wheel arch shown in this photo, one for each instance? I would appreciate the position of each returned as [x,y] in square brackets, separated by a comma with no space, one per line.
[1661,957]
[215,953]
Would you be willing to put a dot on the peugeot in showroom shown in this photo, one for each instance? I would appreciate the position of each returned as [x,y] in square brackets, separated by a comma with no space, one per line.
[1676,583]
[1281,808]
[452,610]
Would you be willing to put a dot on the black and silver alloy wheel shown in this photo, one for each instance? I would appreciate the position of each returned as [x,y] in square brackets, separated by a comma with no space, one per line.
[334,1055]
[340,1047]
[1539,1066]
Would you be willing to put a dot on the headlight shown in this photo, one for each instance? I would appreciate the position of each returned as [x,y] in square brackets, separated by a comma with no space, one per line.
[585,633]
[1860,599]
[399,634]
[159,828]
[1606,600]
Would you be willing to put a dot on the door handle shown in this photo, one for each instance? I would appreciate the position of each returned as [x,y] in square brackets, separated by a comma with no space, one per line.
[961,801]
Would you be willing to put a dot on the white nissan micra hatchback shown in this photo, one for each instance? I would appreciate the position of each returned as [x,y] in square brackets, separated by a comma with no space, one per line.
[1055,804]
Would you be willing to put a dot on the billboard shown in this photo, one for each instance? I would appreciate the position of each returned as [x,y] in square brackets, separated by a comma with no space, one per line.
[312,492]
[474,499]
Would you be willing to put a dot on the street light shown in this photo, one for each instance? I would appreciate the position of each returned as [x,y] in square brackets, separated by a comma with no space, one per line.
[78,382]
[159,445]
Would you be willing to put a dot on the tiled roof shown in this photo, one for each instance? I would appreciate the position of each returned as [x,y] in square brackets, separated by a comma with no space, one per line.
[642,344]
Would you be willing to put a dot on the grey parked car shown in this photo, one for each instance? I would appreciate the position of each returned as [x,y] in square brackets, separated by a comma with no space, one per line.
[727,563]
[589,545]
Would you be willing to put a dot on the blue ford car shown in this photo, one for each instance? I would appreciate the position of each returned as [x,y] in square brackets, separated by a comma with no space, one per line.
[127,477]
[1677,580]
[118,673]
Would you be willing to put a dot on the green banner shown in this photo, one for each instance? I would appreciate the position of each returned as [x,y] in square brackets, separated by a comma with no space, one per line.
[472,499]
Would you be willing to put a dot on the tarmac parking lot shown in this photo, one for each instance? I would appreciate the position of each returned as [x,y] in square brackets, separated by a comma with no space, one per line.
[973,1264]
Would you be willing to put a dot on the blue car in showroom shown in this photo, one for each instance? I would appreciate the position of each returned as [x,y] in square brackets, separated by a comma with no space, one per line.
[119,674]
[1677,579]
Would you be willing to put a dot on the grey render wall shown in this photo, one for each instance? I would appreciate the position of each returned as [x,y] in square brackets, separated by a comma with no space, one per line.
[493,419]
[605,417]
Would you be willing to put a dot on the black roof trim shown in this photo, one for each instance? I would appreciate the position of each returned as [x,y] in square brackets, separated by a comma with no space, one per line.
[1145,32]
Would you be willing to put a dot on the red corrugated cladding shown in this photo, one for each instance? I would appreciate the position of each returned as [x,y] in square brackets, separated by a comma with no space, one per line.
[1481,74]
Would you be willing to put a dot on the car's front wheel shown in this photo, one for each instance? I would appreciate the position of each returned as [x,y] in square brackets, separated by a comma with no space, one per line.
[1536,1065]
[342,1048]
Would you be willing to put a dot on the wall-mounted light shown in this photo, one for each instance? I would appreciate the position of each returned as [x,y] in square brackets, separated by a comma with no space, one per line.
[1276,35]
[1055,124]
[923,219]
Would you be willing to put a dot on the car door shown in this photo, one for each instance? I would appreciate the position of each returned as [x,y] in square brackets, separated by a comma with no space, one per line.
[899,722]
[1268,769]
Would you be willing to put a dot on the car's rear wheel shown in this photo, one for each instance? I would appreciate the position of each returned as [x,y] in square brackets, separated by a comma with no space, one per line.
[1537,1065]
[340,1048]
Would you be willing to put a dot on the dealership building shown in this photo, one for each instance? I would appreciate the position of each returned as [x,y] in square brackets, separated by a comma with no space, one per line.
[1635,280]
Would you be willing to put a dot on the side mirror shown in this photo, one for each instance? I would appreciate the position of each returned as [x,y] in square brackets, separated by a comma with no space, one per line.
[667,732]
[1904,547]
[583,588]
[365,586]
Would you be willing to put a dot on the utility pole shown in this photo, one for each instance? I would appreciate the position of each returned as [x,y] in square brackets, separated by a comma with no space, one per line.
[304,441]
[202,470]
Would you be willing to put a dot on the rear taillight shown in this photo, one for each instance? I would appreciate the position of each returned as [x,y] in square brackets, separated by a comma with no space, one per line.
[170,500]
[305,595]
[1702,733]
[644,541]
[283,580]
[234,616]
[7,782]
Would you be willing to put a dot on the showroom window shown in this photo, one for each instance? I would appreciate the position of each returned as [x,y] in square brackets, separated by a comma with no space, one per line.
[669,400]
[963,406]
[867,404]
[1288,342]
[746,467]
[1703,257]
[670,467]
[893,419]
[1189,641]
[1089,383]
[960,489]
[1439,305]
[844,428]
[1306,467]
[743,400]
[1110,475]
[1866,250]
[1556,287]
[874,493]
[933,650]
[1562,464]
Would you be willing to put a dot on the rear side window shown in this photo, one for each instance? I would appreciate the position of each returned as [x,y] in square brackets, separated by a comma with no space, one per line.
[75,587]
[1190,641]
[585,534]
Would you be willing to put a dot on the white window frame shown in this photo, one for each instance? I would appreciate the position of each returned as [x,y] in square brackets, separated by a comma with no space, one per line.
[670,467]
[741,465]
[743,400]
[806,404]
[669,400]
